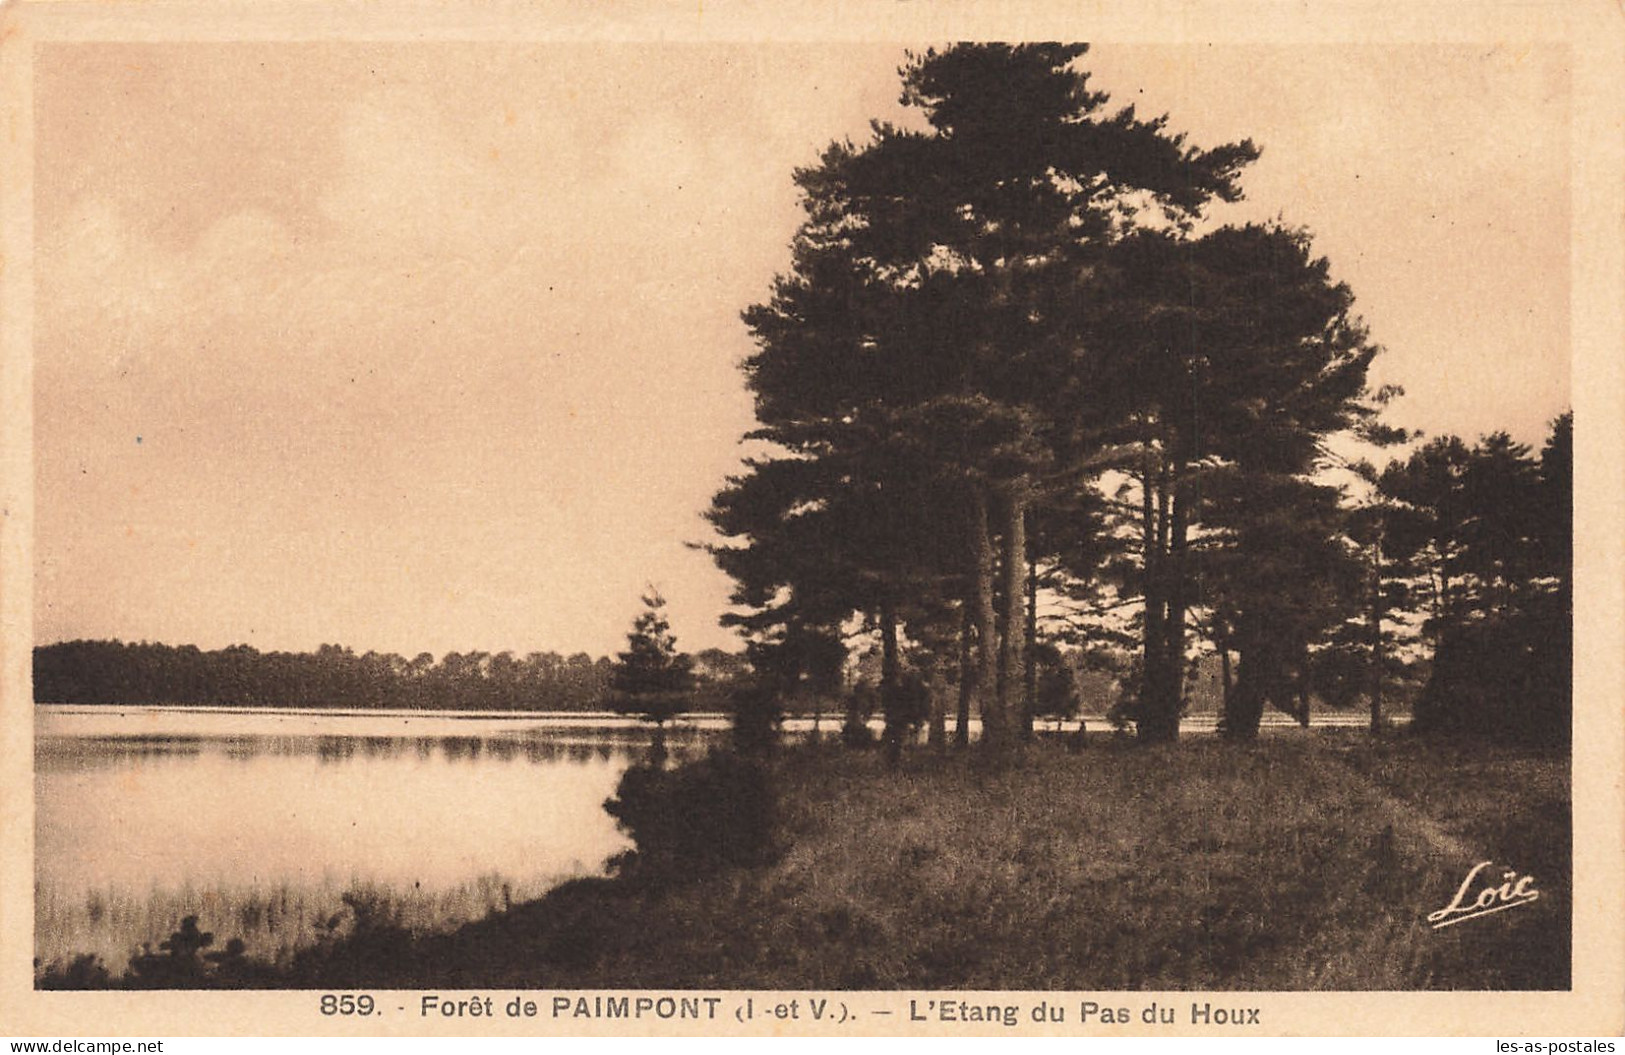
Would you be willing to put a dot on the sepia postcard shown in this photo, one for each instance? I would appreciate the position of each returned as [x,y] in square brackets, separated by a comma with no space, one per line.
[921,520]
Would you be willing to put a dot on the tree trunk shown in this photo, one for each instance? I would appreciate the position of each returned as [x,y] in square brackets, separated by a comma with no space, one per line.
[1013,648]
[889,703]
[790,686]
[1029,694]
[1246,704]
[937,730]
[1376,639]
[1302,686]
[1179,593]
[986,652]
[967,676]
[1151,667]
[1001,612]
[1165,640]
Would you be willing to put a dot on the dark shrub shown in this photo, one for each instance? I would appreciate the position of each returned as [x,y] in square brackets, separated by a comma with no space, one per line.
[861,704]
[179,962]
[756,715]
[1505,678]
[909,703]
[697,818]
[359,946]
[855,732]
[85,972]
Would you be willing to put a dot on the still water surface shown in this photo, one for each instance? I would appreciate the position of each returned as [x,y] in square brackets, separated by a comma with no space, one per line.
[142,813]
[262,821]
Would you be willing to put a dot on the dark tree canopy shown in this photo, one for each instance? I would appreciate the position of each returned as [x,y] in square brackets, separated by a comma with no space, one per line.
[905,365]
[1013,356]
[1490,527]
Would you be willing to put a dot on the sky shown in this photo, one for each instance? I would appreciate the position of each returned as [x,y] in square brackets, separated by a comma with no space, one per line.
[435,347]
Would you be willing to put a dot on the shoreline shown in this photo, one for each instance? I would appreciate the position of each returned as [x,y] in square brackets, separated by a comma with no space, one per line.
[1284,864]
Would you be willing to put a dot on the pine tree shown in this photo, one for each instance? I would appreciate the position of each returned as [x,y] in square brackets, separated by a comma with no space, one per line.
[1225,359]
[1279,577]
[651,679]
[1493,523]
[904,361]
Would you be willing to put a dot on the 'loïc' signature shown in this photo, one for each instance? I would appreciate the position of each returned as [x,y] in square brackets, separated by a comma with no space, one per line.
[1513,891]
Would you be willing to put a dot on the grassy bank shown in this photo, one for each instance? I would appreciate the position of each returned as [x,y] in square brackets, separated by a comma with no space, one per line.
[275,923]
[1301,862]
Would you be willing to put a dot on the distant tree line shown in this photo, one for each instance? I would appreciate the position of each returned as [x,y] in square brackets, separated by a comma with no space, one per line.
[113,672]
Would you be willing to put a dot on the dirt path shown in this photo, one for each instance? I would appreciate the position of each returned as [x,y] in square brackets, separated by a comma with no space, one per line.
[1401,816]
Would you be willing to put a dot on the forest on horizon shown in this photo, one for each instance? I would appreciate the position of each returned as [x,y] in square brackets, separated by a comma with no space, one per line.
[333,676]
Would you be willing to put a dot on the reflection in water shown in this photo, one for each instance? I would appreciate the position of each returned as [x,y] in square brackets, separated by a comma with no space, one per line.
[66,752]
[381,746]
[93,752]
[261,833]
[334,748]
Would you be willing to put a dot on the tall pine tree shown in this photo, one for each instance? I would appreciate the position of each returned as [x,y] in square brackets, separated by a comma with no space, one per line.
[928,312]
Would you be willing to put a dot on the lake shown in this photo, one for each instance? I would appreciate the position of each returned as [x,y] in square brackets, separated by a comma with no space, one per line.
[276,826]
[261,822]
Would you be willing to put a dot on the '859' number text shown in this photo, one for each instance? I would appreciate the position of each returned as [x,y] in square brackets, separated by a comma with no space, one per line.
[347,1004]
